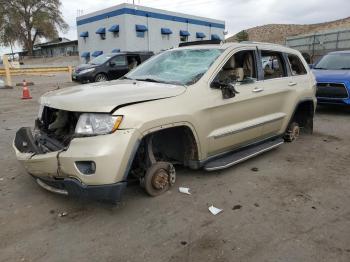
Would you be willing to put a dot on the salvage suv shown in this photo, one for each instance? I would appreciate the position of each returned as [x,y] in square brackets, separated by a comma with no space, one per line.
[204,106]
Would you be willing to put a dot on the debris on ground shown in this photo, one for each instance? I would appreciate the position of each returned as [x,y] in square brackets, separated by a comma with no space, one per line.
[254,169]
[256,204]
[236,207]
[214,210]
[184,243]
[63,214]
[184,190]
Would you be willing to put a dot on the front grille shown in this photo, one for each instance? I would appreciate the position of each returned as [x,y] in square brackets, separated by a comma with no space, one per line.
[332,90]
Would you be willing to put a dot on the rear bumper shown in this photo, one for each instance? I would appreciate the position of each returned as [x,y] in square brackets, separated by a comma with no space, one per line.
[74,188]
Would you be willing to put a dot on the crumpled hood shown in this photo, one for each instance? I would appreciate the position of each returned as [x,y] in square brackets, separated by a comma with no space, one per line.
[105,96]
[332,75]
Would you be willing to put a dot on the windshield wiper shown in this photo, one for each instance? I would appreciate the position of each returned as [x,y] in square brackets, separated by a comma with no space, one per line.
[128,78]
[345,68]
[321,68]
[148,80]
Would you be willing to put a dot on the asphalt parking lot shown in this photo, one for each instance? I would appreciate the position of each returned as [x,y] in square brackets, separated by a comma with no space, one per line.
[290,204]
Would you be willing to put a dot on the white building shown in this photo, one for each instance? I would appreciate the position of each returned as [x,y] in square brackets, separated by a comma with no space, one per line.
[129,27]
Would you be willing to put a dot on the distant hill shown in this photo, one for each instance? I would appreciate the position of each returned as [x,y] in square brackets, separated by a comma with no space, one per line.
[277,33]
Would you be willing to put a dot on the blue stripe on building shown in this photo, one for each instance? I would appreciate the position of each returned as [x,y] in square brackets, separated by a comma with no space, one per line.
[130,11]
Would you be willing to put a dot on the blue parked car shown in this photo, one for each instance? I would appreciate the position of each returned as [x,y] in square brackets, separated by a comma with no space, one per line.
[332,74]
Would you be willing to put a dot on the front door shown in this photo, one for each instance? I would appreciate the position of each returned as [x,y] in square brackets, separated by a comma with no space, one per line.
[236,121]
[117,67]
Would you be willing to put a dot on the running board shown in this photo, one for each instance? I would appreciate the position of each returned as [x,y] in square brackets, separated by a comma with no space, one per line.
[234,158]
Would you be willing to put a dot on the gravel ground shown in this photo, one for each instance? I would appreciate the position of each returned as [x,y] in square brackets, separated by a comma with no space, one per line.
[290,204]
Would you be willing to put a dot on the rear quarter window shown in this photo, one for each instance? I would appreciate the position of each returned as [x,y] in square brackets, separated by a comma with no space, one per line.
[296,65]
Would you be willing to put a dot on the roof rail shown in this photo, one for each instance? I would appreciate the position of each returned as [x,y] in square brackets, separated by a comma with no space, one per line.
[257,42]
[201,42]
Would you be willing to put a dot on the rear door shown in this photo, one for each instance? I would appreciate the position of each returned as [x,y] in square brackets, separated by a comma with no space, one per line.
[278,89]
[117,67]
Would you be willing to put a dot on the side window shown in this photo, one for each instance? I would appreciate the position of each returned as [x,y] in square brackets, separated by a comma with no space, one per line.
[240,67]
[296,65]
[272,65]
[119,60]
[133,61]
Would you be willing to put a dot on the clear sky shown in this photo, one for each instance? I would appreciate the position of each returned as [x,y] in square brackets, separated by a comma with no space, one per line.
[238,14]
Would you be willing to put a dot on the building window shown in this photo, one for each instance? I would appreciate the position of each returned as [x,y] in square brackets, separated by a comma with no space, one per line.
[215,37]
[200,35]
[166,32]
[114,29]
[184,35]
[140,34]
[183,38]
[140,30]
[102,32]
[84,34]
[166,37]
[86,56]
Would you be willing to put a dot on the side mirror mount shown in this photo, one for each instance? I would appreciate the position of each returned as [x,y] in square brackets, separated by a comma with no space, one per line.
[216,84]
[311,66]
[228,89]
[111,64]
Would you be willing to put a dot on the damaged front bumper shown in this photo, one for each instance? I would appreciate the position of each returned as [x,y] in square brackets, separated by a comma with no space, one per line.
[74,188]
[62,172]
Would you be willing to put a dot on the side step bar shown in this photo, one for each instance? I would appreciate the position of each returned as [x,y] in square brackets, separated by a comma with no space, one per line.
[236,157]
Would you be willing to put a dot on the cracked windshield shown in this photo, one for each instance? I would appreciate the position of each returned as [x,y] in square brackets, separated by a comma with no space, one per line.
[182,67]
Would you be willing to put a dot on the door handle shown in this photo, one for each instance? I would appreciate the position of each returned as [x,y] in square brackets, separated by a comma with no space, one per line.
[292,84]
[258,89]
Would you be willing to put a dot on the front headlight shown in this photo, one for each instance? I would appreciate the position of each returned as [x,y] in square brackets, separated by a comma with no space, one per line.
[97,124]
[86,71]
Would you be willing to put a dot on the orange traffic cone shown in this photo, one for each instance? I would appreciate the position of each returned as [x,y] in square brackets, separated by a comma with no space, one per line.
[25,91]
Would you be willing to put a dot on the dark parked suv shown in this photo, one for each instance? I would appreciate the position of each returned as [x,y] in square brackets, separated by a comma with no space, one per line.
[109,66]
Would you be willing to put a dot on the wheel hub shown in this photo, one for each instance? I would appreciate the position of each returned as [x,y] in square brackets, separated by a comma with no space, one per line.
[160,179]
[295,132]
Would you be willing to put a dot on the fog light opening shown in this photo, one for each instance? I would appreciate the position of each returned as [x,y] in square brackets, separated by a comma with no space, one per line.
[86,167]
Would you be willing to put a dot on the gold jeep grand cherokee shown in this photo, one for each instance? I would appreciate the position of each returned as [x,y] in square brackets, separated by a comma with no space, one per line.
[204,106]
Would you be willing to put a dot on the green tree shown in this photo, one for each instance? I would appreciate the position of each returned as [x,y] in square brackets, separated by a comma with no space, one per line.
[242,36]
[26,21]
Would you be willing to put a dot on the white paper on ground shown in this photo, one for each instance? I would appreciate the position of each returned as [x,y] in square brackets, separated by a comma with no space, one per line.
[184,190]
[214,210]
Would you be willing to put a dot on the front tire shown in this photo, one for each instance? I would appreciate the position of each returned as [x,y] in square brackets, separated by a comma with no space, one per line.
[101,78]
